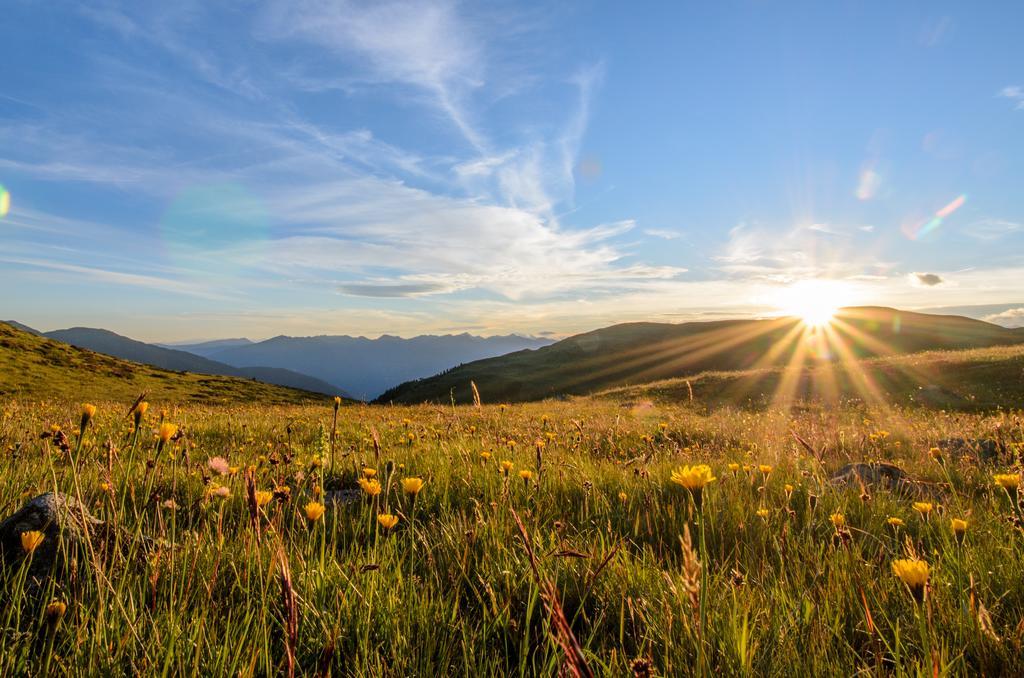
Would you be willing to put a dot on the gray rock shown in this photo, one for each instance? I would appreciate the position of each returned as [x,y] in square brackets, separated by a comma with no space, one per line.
[983,449]
[342,497]
[875,476]
[64,522]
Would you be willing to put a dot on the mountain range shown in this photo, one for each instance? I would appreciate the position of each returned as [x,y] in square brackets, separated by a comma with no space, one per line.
[354,367]
[637,353]
[367,367]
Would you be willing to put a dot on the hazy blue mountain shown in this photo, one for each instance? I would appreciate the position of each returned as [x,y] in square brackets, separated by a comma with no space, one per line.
[367,367]
[208,348]
[104,341]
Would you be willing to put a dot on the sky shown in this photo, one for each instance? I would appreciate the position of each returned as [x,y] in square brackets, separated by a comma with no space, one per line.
[199,170]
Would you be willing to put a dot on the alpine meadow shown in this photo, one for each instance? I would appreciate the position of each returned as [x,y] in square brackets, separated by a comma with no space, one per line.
[455,338]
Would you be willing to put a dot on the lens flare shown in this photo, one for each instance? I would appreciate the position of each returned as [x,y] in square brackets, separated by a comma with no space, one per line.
[5,201]
[919,230]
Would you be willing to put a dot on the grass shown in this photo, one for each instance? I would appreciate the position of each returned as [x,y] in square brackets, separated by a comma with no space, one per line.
[625,572]
[34,367]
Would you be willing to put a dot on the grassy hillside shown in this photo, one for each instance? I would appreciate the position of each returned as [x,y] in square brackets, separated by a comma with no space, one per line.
[976,379]
[34,367]
[638,353]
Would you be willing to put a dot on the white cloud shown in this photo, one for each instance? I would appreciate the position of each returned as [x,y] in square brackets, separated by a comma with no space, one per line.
[663,233]
[1012,317]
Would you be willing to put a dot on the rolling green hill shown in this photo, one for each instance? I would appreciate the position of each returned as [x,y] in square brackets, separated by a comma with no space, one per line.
[35,367]
[638,353]
[971,379]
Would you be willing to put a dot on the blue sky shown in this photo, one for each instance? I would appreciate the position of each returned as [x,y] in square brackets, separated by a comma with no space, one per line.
[212,169]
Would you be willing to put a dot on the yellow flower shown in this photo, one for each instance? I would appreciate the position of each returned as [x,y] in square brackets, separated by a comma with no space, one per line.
[734,468]
[913,573]
[623,497]
[787,488]
[412,485]
[838,519]
[314,510]
[337,402]
[263,497]
[893,521]
[936,454]
[166,432]
[506,466]
[105,487]
[924,508]
[387,521]
[88,412]
[959,527]
[55,610]
[762,513]
[369,472]
[1007,481]
[139,412]
[693,477]
[31,540]
[526,474]
[486,456]
[765,469]
[370,487]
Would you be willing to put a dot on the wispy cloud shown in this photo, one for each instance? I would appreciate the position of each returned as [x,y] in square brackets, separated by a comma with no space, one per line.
[1015,93]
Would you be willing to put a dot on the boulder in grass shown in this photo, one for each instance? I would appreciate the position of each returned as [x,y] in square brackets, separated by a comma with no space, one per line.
[876,476]
[64,523]
[985,450]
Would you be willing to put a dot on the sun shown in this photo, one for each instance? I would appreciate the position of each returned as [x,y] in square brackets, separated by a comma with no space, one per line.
[815,302]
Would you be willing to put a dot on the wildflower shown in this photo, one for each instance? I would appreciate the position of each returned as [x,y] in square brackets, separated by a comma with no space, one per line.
[526,475]
[913,573]
[838,520]
[936,454]
[221,491]
[55,610]
[788,489]
[694,479]
[369,472]
[370,487]
[166,432]
[765,469]
[88,412]
[170,505]
[314,511]
[106,487]
[623,497]
[734,468]
[1008,481]
[959,527]
[762,513]
[337,402]
[138,412]
[263,497]
[387,521]
[485,455]
[924,508]
[219,465]
[412,485]
[894,522]
[31,540]
[506,466]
